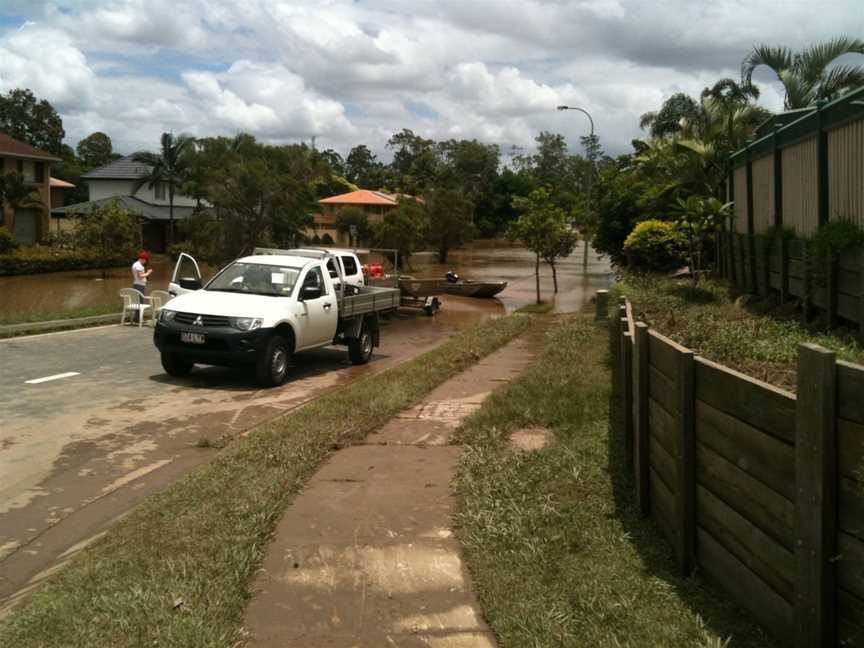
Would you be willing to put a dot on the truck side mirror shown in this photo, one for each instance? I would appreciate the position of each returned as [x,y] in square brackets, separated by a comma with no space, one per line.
[310,292]
[190,283]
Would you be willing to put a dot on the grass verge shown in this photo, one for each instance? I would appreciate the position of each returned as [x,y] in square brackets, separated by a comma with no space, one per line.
[48,316]
[177,571]
[553,538]
[760,340]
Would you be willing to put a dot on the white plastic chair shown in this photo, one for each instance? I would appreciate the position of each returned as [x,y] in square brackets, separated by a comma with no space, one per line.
[134,302]
[158,299]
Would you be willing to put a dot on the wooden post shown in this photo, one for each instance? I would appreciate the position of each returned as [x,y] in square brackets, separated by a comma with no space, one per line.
[640,362]
[627,391]
[784,269]
[736,271]
[686,464]
[602,306]
[815,497]
[778,182]
[754,272]
[821,165]
[807,299]
[763,267]
[831,290]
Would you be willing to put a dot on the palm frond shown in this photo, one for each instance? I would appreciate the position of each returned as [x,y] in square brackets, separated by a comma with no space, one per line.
[776,58]
[647,119]
[840,80]
[816,58]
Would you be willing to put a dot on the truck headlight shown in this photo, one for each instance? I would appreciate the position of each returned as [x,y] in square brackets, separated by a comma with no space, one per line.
[167,315]
[246,323]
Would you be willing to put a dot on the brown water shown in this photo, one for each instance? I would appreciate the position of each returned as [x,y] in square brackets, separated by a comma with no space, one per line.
[64,291]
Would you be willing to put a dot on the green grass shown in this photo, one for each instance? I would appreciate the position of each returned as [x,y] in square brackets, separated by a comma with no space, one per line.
[559,554]
[761,340]
[201,540]
[47,316]
[537,309]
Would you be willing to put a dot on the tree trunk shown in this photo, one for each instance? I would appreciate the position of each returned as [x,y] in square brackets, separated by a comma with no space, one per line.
[537,275]
[554,278]
[587,241]
[443,251]
[170,213]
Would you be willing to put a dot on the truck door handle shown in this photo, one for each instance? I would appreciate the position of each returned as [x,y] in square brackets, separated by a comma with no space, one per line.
[327,307]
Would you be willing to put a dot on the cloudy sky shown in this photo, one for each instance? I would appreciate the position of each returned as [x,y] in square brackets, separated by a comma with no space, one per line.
[355,72]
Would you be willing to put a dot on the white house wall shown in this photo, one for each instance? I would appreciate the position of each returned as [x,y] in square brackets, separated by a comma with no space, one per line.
[106,188]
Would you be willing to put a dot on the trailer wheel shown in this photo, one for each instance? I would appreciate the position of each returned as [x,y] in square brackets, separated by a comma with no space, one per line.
[176,365]
[271,368]
[360,349]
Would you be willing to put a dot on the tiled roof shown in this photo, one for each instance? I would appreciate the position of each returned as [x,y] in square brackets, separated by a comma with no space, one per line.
[15,148]
[57,182]
[134,205]
[361,197]
[123,169]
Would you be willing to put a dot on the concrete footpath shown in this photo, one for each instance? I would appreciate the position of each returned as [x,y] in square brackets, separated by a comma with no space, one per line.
[365,556]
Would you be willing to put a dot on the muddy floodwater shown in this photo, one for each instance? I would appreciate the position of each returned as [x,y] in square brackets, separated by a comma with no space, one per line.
[66,291]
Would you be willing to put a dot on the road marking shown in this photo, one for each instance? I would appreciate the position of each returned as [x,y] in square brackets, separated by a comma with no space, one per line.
[68,374]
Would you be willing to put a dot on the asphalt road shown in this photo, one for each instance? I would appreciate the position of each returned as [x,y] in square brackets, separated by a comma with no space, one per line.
[109,427]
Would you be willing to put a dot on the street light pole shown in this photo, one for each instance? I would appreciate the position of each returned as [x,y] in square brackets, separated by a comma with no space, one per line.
[590,175]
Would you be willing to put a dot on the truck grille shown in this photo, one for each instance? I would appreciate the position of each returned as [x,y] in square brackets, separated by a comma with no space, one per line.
[208,321]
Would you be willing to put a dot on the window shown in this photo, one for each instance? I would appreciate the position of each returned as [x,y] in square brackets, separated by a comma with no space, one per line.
[160,191]
[256,278]
[331,268]
[350,265]
[315,279]
[40,172]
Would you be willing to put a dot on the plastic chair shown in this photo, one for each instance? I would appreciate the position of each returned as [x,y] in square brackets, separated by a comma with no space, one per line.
[134,302]
[158,299]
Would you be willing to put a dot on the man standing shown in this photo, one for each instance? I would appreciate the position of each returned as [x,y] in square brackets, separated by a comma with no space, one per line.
[139,277]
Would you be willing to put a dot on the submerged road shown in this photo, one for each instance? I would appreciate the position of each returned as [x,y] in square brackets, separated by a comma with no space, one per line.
[90,424]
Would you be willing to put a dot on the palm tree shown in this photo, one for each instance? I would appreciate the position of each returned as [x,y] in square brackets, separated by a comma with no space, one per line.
[805,75]
[169,166]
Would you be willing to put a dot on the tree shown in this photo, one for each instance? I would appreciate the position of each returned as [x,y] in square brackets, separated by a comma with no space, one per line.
[110,230]
[542,228]
[699,219]
[95,150]
[415,163]
[169,166]
[17,193]
[31,120]
[363,169]
[451,221]
[402,228]
[354,217]
[667,121]
[806,75]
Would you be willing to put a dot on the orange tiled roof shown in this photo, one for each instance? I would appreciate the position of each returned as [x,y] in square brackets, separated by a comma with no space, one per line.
[13,148]
[57,182]
[361,197]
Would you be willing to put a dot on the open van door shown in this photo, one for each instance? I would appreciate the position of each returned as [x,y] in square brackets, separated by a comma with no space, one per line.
[186,277]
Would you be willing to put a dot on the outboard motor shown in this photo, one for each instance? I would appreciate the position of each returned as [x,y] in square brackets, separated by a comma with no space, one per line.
[452,277]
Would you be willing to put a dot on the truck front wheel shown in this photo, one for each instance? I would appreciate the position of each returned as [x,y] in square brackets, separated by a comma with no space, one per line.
[360,349]
[271,368]
[176,365]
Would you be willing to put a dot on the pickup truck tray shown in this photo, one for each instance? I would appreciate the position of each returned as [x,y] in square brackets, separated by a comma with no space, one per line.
[372,299]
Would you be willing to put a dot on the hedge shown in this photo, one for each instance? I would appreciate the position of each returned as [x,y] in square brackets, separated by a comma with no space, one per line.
[39,259]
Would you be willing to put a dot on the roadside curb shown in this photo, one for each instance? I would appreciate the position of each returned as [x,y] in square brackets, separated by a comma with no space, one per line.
[26,328]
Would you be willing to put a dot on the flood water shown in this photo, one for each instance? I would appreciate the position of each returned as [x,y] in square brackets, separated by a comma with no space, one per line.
[64,291]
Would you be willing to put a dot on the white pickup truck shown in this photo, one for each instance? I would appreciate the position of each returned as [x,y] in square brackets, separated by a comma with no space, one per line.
[261,309]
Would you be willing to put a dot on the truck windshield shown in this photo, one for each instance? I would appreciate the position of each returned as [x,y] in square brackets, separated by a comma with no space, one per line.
[256,279]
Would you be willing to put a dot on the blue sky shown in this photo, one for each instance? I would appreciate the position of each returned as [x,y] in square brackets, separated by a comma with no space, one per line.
[353,73]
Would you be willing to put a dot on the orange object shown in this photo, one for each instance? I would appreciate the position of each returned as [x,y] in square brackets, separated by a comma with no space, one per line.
[375,270]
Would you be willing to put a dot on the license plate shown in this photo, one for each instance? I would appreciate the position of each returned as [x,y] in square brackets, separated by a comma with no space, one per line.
[191,338]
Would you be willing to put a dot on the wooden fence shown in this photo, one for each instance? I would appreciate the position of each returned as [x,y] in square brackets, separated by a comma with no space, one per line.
[762,491]
[787,269]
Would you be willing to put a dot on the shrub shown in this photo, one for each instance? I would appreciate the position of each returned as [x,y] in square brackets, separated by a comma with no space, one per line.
[7,241]
[64,240]
[39,258]
[655,245]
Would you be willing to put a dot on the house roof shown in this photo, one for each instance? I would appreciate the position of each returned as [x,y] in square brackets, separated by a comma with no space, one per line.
[131,203]
[123,169]
[361,197]
[11,147]
[57,182]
